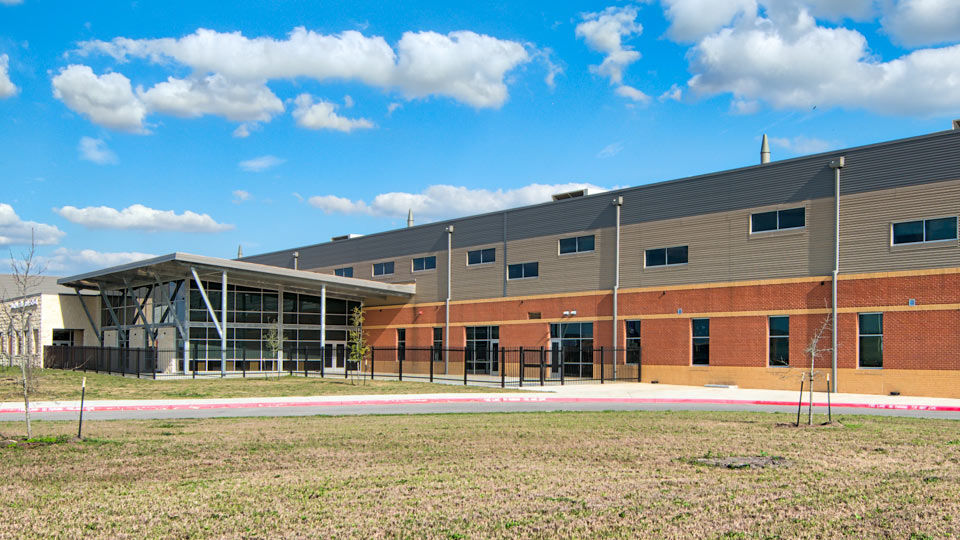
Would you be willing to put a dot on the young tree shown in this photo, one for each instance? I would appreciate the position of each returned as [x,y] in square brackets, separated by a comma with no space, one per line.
[272,339]
[815,349]
[19,320]
[357,342]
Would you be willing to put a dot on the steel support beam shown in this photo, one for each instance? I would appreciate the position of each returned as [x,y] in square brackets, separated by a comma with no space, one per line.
[86,311]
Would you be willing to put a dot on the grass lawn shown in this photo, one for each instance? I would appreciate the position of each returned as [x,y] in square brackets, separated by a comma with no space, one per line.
[574,475]
[56,384]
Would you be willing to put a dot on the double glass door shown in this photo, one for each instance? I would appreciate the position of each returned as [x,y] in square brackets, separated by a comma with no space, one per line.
[483,357]
[335,356]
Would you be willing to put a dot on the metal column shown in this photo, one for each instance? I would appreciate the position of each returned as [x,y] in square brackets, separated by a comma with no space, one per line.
[323,326]
[223,324]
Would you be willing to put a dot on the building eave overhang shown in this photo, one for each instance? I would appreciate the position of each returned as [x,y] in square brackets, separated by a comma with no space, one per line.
[176,266]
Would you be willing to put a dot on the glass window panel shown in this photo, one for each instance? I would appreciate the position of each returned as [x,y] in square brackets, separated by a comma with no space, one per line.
[475,257]
[430,263]
[494,332]
[586,330]
[247,316]
[677,255]
[336,335]
[554,330]
[289,302]
[270,302]
[871,351]
[633,329]
[417,265]
[779,351]
[290,318]
[309,304]
[792,218]
[586,243]
[568,245]
[763,221]
[198,333]
[940,229]
[470,332]
[871,323]
[515,271]
[309,319]
[388,267]
[195,316]
[571,330]
[311,335]
[908,232]
[337,319]
[780,326]
[344,272]
[289,335]
[351,305]
[656,257]
[701,351]
[336,306]
[248,333]
[489,255]
[481,332]
[531,269]
[701,327]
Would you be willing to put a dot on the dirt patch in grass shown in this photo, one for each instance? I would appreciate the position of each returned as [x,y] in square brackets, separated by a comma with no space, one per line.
[566,475]
[62,385]
[742,462]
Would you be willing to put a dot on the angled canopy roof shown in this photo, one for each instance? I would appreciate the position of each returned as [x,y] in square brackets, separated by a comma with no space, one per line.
[176,266]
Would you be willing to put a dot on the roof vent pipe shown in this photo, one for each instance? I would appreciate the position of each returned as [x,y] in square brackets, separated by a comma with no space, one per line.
[296,260]
[764,150]
[410,218]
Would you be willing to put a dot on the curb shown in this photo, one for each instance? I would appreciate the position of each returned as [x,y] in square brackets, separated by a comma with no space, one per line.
[429,401]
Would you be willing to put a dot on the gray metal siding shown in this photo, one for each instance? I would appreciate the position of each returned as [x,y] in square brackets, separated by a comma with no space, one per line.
[898,164]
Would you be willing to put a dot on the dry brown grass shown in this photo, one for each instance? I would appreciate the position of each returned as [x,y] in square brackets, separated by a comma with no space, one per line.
[574,475]
[55,384]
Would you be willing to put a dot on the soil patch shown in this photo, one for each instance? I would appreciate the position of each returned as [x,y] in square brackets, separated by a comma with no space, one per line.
[743,462]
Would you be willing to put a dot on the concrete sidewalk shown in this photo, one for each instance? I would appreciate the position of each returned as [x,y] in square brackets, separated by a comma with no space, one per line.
[613,393]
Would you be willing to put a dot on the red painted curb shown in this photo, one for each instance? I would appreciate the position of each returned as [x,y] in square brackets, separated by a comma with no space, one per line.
[512,399]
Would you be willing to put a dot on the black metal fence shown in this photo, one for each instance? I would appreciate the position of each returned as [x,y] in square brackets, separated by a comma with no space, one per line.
[124,361]
[493,366]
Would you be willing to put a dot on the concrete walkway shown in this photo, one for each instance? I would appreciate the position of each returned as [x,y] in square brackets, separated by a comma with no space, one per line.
[623,396]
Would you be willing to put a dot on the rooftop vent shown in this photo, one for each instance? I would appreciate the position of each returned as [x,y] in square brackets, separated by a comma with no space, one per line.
[345,237]
[570,194]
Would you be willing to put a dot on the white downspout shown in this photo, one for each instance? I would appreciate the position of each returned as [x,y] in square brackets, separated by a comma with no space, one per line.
[446,317]
[836,165]
[617,202]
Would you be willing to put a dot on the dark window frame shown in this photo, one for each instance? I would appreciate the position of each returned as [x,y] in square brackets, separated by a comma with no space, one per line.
[577,241]
[482,254]
[633,345]
[700,343]
[867,337]
[923,231]
[775,336]
[346,271]
[424,262]
[778,214]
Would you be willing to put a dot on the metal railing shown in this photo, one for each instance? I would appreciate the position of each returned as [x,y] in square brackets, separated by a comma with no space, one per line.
[122,361]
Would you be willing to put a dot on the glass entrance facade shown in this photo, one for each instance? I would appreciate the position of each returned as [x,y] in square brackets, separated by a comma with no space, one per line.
[483,347]
[575,341]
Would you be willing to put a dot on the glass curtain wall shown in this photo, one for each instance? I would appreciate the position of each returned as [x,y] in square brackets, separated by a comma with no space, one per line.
[576,346]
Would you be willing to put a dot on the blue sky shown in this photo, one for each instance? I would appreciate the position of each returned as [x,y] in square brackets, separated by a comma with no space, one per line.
[136,128]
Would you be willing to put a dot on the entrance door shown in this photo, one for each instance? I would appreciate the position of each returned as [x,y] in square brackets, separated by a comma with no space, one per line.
[555,353]
[334,355]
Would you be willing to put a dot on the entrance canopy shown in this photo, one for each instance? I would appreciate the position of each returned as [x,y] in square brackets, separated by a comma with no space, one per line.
[178,266]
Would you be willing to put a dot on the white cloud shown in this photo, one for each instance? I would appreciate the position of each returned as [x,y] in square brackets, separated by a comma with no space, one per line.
[96,150]
[691,20]
[392,107]
[442,201]
[347,101]
[463,65]
[674,93]
[321,115]
[73,261]
[7,88]
[214,95]
[261,163]
[789,61]
[923,22]
[15,231]
[802,145]
[11,2]
[744,106]
[140,217]
[240,196]
[630,92]
[107,100]
[610,150]
[604,32]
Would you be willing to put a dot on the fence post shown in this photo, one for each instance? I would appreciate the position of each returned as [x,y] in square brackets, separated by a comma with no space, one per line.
[306,357]
[465,367]
[639,364]
[522,364]
[563,376]
[503,368]
[601,364]
[431,362]
[541,366]
[400,360]
[243,366]
[373,351]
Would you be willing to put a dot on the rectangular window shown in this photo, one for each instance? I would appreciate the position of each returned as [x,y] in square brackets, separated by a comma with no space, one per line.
[344,272]
[523,270]
[481,256]
[383,269]
[701,341]
[437,344]
[401,343]
[871,340]
[779,341]
[925,230]
[482,348]
[666,256]
[633,342]
[579,244]
[424,263]
[778,220]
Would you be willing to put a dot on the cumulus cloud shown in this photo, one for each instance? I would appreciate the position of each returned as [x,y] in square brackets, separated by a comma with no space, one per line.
[240,195]
[321,115]
[443,201]
[96,150]
[604,32]
[923,22]
[140,217]
[261,163]
[632,93]
[462,65]
[107,100]
[802,145]
[15,231]
[790,61]
[7,88]
[213,95]
[73,261]
[674,93]
[690,20]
